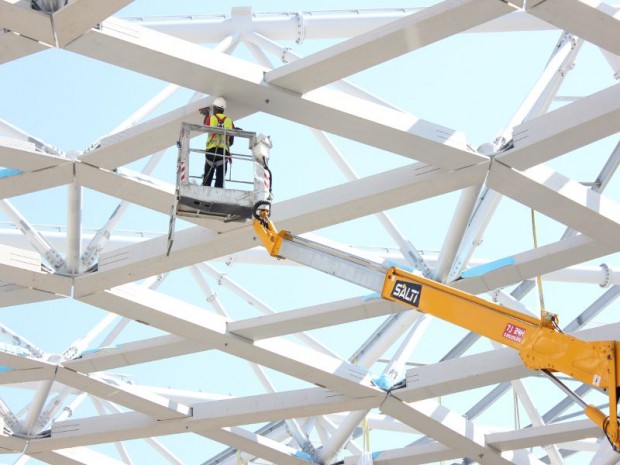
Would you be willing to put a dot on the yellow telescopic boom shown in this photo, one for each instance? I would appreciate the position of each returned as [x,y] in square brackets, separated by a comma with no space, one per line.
[540,343]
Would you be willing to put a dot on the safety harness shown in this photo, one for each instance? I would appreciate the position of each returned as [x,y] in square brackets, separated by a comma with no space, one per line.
[218,158]
[218,141]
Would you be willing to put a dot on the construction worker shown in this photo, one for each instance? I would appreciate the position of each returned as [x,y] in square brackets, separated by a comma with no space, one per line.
[218,146]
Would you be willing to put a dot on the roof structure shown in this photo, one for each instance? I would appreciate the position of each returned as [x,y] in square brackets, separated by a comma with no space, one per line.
[116,352]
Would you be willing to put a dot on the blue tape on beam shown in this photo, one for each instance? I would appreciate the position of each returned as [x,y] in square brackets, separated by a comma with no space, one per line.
[305,456]
[9,172]
[488,267]
[373,296]
[98,349]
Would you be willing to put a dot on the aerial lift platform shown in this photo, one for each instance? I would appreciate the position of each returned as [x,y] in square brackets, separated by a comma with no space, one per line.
[540,342]
[228,204]
[195,200]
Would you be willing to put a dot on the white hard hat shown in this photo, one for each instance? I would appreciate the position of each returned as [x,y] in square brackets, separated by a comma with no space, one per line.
[219,102]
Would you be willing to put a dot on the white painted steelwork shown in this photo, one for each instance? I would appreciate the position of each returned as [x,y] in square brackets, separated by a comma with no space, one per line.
[311,355]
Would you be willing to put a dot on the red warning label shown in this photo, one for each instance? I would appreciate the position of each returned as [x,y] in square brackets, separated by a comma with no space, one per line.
[514,333]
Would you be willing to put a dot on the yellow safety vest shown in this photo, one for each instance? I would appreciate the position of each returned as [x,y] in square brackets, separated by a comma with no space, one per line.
[218,140]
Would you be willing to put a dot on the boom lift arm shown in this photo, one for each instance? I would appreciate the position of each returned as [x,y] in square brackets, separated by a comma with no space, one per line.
[540,342]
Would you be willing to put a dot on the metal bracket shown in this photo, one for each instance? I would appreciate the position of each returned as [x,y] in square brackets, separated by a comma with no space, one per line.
[608,274]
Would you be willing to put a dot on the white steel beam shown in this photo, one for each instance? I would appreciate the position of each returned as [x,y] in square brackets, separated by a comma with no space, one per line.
[187,397]
[33,373]
[24,156]
[503,441]
[20,368]
[602,275]
[145,110]
[313,211]
[78,16]
[447,427]
[132,187]
[75,456]
[212,414]
[139,189]
[55,407]
[57,237]
[301,26]
[579,16]
[534,416]
[23,267]
[19,17]
[101,429]
[540,98]
[375,420]
[535,262]
[562,199]
[243,408]
[413,455]
[459,374]
[177,317]
[318,316]
[19,362]
[13,444]
[35,240]
[261,306]
[10,130]
[144,138]
[14,46]
[543,435]
[313,25]
[258,44]
[568,128]
[390,374]
[365,196]
[72,265]
[143,351]
[149,258]
[256,445]
[461,220]
[62,26]
[586,445]
[136,352]
[132,397]
[397,38]
[281,405]
[247,93]
[34,181]
[13,294]
[102,408]
[97,244]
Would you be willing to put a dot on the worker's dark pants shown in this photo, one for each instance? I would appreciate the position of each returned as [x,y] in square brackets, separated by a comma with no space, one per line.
[215,164]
